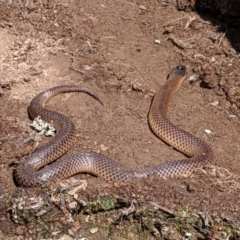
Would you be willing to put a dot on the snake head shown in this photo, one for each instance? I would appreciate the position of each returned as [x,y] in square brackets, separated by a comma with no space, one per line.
[179,70]
[175,78]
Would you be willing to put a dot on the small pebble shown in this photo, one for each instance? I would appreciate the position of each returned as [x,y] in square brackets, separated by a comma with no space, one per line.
[208,131]
[143,7]
[215,103]
[73,204]
[93,230]
[65,237]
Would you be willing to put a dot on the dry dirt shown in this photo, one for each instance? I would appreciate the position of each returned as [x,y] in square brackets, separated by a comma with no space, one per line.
[124,50]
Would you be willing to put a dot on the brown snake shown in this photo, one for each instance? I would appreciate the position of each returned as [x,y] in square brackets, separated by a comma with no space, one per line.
[31,171]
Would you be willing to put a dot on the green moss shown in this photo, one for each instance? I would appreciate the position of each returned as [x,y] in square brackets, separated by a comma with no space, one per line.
[101,204]
[109,215]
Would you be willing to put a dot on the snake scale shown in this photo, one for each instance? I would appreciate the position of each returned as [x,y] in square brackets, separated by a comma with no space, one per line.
[33,173]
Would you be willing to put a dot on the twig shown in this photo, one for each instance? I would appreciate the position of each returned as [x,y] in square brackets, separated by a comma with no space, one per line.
[189,21]
[164,209]
[220,40]
[191,59]
[6,103]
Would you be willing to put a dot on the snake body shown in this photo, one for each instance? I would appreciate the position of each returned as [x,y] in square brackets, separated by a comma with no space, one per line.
[33,173]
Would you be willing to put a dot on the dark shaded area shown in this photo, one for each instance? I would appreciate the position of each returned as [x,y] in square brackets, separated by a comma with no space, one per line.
[225,14]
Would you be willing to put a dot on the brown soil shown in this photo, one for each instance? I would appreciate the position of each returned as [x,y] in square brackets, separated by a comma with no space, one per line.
[124,50]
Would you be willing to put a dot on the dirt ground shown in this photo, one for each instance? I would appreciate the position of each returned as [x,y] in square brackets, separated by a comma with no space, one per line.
[124,50]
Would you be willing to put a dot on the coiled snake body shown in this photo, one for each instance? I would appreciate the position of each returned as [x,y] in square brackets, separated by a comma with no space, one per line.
[31,171]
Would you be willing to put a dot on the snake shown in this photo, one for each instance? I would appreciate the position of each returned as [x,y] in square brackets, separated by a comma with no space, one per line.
[48,165]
